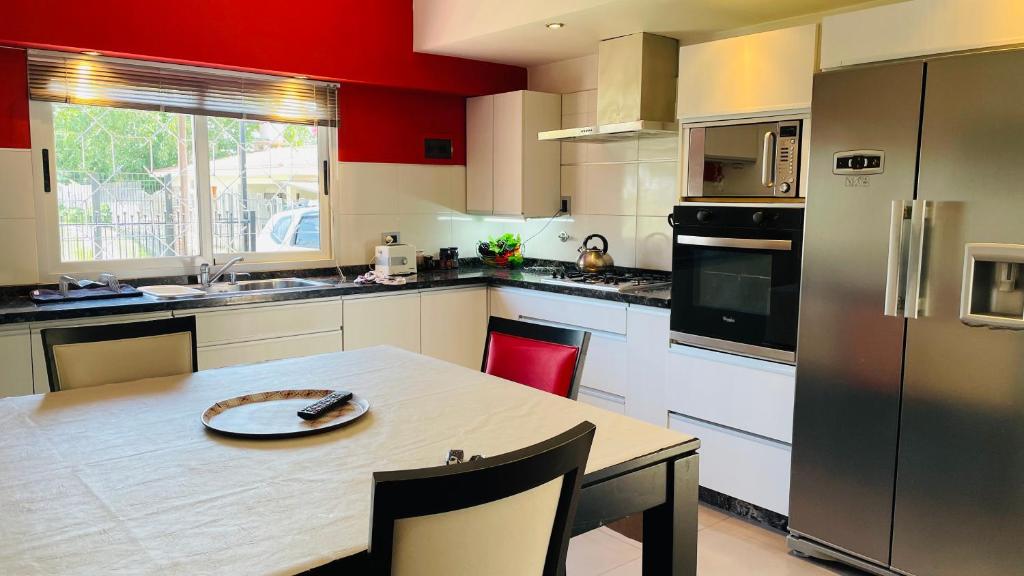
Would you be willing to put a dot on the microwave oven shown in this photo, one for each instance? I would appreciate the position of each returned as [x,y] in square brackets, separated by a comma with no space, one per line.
[744,160]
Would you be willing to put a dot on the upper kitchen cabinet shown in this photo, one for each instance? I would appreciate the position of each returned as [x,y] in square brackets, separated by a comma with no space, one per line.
[755,75]
[919,28]
[508,171]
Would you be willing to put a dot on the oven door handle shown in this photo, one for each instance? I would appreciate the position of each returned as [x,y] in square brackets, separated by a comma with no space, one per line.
[744,243]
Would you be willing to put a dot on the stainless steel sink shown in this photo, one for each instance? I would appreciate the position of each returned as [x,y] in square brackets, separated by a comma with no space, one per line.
[271,285]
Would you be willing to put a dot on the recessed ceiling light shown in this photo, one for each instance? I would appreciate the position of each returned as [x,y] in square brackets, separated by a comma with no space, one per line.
[92,53]
[555,25]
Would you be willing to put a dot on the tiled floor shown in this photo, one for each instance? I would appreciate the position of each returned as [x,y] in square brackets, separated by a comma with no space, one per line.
[726,546]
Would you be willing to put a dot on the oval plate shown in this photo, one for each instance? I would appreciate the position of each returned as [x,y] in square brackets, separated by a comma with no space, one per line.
[273,414]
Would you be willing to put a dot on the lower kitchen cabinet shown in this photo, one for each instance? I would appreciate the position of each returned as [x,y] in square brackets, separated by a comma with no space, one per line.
[744,466]
[453,325]
[40,380]
[610,402]
[221,355]
[647,346]
[742,411]
[392,319]
[15,362]
[605,376]
[261,332]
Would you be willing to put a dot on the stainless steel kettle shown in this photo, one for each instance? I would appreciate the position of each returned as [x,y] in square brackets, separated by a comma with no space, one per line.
[594,259]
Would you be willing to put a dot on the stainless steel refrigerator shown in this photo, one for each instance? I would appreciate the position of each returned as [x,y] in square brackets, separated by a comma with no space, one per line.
[908,441]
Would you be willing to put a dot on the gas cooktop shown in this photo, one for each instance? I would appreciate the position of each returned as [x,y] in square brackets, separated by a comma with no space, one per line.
[609,281]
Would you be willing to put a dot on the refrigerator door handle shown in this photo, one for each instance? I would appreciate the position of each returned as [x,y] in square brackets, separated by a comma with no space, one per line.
[895,273]
[918,223]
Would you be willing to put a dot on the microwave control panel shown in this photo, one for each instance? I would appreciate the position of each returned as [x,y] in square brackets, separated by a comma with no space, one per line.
[860,162]
[787,158]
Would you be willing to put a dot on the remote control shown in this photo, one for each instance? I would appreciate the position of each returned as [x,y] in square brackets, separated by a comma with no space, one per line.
[324,405]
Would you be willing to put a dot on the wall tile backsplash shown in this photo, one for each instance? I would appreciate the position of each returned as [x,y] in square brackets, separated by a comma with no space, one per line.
[623,190]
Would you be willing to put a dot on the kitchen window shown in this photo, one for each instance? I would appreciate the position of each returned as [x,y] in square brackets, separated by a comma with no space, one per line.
[147,168]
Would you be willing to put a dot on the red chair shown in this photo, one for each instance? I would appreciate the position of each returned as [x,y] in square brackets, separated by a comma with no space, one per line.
[539,356]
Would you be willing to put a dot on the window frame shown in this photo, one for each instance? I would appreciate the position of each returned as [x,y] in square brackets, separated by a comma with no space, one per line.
[48,231]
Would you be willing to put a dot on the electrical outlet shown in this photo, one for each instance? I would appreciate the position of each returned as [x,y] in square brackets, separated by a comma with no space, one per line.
[565,206]
[390,238]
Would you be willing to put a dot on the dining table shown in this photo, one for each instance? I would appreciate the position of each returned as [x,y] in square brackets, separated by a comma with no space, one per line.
[126,479]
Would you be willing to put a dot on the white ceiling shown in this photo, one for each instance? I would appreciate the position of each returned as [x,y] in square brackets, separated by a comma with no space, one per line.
[514,32]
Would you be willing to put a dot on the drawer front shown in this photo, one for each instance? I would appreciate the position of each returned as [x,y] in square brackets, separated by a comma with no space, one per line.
[574,311]
[743,466]
[606,364]
[264,350]
[274,320]
[41,383]
[750,395]
[609,402]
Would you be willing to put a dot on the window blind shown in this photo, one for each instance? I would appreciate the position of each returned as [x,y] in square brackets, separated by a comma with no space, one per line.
[97,81]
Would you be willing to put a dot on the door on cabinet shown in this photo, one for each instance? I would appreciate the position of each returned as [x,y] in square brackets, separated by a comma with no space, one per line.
[16,360]
[453,325]
[480,154]
[508,171]
[375,320]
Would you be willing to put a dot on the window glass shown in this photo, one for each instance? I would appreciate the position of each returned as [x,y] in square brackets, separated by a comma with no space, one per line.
[280,230]
[125,183]
[257,170]
[307,235]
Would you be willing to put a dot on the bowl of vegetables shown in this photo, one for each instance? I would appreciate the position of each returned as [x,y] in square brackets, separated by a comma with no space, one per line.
[505,251]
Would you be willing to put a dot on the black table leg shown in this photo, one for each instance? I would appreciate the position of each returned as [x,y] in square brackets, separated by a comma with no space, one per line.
[670,529]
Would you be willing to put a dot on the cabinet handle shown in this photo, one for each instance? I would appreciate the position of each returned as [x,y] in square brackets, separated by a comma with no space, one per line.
[46,170]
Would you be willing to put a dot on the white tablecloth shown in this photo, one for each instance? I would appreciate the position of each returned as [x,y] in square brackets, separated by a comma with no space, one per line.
[124,479]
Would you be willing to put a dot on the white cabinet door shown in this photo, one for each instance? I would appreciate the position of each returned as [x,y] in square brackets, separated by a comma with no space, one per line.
[508,171]
[508,153]
[756,74]
[606,368]
[16,362]
[743,466]
[755,396]
[919,28]
[480,154]
[573,311]
[271,320]
[647,343]
[271,349]
[376,320]
[609,402]
[453,325]
[39,377]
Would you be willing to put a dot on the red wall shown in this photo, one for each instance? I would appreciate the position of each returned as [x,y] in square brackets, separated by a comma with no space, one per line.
[386,103]
[388,125]
[13,101]
[363,41]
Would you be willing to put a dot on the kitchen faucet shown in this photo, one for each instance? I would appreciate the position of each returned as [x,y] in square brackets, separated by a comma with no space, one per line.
[204,271]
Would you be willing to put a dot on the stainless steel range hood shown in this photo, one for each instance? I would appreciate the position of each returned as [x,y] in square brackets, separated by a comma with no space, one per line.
[636,90]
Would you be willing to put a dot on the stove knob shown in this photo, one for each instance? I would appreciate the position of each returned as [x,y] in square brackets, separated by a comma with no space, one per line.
[758,217]
[703,215]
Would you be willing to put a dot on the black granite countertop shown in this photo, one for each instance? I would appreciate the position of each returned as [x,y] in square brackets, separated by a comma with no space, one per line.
[15,306]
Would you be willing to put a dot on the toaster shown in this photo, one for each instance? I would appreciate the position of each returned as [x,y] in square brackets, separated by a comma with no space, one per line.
[395,259]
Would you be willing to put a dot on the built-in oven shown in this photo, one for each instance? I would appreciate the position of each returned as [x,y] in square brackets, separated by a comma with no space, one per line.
[740,160]
[736,278]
